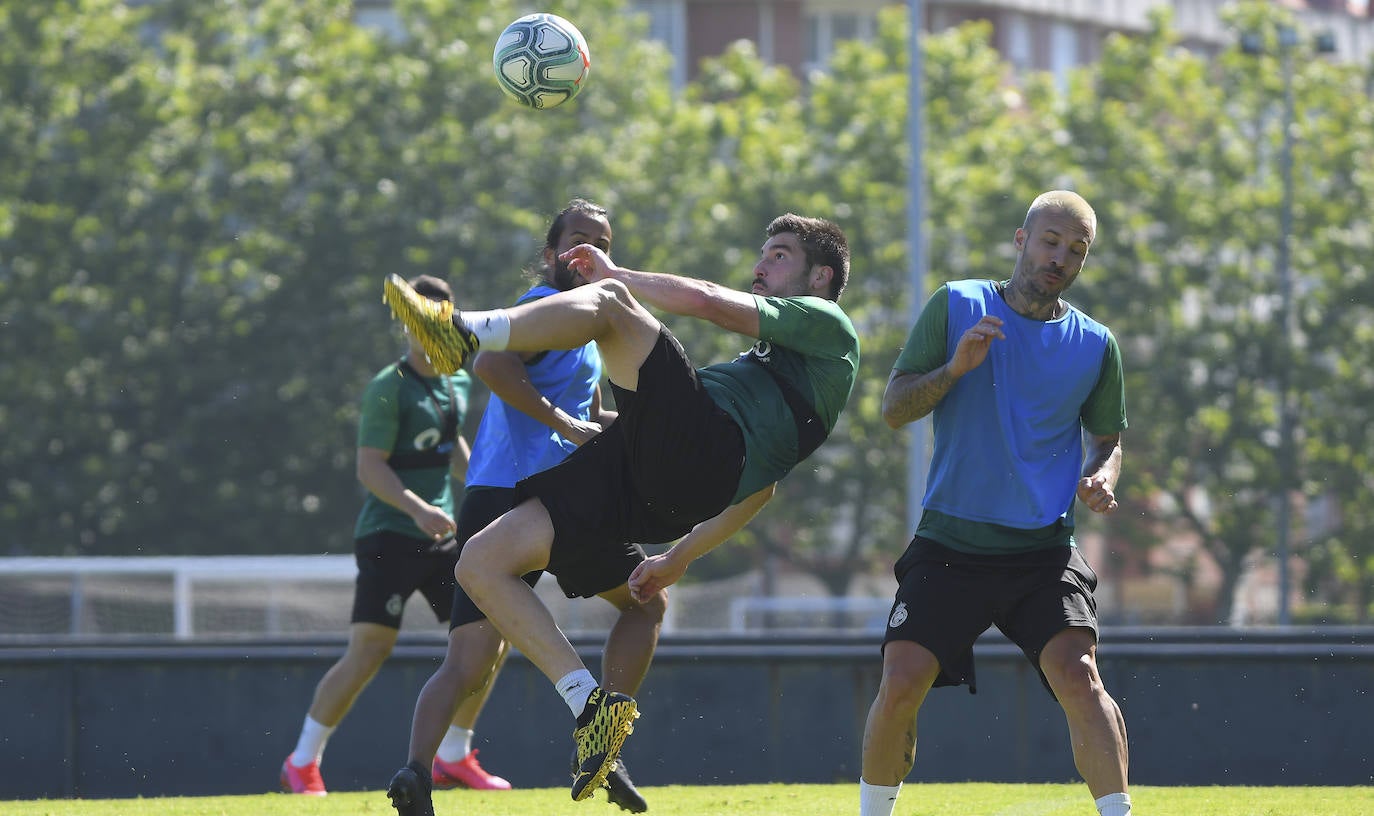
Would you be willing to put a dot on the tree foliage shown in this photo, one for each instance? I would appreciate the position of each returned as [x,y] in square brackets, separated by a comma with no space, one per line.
[198,199]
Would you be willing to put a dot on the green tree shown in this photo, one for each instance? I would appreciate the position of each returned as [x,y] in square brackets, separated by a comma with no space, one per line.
[1182,154]
[79,98]
[203,236]
[199,199]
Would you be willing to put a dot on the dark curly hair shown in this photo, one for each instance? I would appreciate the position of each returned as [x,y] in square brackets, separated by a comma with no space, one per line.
[822,241]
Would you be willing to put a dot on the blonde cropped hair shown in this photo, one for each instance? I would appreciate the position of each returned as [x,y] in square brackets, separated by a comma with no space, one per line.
[1065,201]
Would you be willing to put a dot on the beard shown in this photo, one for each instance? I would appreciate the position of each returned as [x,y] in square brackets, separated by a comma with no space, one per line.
[562,277]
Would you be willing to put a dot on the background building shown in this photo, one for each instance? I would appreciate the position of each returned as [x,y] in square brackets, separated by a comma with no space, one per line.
[1031,34]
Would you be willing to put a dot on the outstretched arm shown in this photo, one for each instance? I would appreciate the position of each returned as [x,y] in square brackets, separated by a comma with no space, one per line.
[728,308]
[660,571]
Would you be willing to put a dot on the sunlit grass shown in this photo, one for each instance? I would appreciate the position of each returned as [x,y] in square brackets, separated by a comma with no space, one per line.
[973,799]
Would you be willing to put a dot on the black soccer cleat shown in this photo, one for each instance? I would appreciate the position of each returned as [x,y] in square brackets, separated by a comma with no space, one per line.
[621,790]
[410,791]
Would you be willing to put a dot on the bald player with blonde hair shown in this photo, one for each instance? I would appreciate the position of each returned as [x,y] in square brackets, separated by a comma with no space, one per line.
[1026,395]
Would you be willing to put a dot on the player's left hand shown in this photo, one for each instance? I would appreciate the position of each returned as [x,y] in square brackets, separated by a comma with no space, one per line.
[652,576]
[1094,492]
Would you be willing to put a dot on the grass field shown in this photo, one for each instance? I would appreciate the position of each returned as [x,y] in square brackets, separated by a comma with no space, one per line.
[973,799]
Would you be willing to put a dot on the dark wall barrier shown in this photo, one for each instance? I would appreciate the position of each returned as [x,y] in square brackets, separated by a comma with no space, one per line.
[1204,707]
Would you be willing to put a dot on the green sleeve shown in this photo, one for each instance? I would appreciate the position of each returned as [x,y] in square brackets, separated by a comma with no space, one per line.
[807,325]
[926,346]
[1104,411]
[379,420]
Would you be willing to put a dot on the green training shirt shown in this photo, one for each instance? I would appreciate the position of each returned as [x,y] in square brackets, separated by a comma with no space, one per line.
[401,415]
[811,343]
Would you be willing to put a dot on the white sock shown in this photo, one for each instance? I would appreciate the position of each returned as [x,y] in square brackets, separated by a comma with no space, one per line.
[1115,804]
[456,745]
[492,328]
[877,800]
[576,687]
[310,746]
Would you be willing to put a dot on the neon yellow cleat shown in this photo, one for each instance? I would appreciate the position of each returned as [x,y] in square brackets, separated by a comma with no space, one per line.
[446,341]
[601,730]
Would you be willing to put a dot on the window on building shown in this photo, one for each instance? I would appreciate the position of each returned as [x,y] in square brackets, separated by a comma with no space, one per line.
[1018,45]
[1063,50]
[825,30]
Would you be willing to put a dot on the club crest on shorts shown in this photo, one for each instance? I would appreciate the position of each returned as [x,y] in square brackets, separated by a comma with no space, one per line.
[898,616]
[395,604]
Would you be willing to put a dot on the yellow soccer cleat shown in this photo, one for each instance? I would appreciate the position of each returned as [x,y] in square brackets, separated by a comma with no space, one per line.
[434,323]
[601,730]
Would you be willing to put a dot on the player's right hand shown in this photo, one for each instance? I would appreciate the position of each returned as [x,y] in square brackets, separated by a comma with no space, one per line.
[588,261]
[974,344]
[434,523]
[579,432]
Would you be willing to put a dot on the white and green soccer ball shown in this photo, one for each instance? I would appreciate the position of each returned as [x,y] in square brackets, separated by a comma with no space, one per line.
[541,60]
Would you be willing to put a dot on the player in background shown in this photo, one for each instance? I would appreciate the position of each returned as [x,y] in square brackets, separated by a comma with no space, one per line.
[1016,379]
[409,451]
[693,455]
[544,404]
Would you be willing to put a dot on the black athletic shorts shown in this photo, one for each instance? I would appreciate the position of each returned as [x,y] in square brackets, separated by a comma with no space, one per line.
[671,460]
[481,506]
[947,598]
[391,567]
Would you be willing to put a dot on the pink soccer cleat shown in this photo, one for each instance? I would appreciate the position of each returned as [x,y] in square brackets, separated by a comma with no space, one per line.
[466,773]
[305,779]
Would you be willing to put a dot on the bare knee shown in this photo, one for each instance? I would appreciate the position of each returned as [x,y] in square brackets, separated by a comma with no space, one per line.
[473,565]
[652,609]
[370,644]
[909,671]
[619,308]
[464,572]
[614,295]
[1073,676]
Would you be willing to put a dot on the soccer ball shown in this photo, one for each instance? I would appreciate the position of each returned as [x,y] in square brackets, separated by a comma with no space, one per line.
[541,60]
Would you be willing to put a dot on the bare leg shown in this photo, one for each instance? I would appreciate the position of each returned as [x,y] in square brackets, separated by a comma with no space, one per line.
[474,651]
[489,571]
[369,645]
[632,640]
[1096,727]
[889,747]
[624,331]
[471,707]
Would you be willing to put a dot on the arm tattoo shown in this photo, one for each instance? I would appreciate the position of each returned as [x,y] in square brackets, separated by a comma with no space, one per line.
[915,396]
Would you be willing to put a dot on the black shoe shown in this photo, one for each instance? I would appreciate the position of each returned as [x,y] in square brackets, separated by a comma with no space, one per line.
[601,730]
[410,790]
[621,791]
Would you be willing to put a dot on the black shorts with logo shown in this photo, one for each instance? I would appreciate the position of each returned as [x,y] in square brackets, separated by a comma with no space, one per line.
[947,598]
[391,567]
[672,459]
